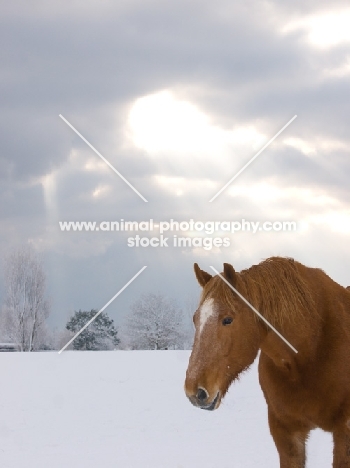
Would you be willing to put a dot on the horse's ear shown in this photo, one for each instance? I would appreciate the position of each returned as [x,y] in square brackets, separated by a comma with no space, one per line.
[230,274]
[202,276]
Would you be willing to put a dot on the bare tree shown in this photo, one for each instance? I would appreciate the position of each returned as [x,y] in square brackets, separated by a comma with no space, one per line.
[154,322]
[26,309]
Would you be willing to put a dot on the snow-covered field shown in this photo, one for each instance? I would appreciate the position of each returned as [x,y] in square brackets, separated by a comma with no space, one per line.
[128,409]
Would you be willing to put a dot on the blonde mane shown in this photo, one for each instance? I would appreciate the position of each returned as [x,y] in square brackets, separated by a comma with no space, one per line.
[275,288]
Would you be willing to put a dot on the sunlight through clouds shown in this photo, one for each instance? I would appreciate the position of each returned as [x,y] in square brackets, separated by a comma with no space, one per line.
[301,145]
[338,72]
[315,145]
[324,30]
[181,186]
[261,191]
[48,183]
[270,192]
[101,191]
[160,123]
[336,221]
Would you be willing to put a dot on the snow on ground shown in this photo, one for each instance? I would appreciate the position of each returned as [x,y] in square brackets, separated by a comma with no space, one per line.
[128,409]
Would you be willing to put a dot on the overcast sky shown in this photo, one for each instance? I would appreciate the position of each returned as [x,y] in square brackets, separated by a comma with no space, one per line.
[177,96]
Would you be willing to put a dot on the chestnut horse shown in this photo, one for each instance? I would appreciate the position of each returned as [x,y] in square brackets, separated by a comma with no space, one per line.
[303,390]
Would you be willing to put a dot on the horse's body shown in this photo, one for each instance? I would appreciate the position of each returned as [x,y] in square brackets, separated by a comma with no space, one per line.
[303,390]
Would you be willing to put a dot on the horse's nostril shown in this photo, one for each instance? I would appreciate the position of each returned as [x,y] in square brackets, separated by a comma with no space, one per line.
[202,394]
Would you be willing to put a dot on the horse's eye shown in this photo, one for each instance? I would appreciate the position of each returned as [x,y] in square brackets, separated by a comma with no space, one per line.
[227,320]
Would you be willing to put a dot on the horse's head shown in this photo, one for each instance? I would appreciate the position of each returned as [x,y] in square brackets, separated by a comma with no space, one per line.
[226,340]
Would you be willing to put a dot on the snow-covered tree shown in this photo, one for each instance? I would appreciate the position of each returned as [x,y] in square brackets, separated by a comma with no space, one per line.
[26,308]
[99,335]
[154,322]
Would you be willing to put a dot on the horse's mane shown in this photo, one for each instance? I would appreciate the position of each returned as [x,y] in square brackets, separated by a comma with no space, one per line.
[275,288]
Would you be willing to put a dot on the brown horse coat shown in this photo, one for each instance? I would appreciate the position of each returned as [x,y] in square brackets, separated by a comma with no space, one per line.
[303,390]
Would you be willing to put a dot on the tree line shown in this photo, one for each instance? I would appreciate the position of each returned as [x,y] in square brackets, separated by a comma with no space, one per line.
[154,321]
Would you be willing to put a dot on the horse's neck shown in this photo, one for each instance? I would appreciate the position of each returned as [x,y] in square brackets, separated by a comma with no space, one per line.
[257,301]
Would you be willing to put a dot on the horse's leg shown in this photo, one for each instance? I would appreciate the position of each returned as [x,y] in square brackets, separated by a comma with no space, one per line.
[341,451]
[290,443]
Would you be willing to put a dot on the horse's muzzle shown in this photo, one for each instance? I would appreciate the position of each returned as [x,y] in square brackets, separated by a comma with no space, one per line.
[201,400]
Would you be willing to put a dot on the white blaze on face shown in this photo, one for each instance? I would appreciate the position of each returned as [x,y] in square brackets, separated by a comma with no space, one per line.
[206,311]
